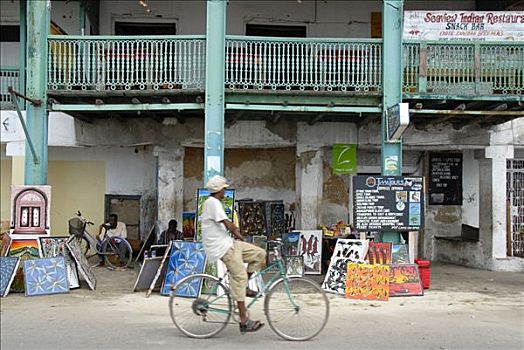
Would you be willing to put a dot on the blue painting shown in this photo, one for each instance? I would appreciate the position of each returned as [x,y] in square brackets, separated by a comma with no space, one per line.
[45,276]
[290,243]
[187,258]
[8,267]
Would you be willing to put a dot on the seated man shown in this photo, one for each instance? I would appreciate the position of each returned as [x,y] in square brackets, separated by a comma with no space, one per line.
[111,229]
[172,233]
[218,244]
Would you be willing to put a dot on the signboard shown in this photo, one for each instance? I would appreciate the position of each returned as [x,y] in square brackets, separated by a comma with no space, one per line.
[445,178]
[464,25]
[388,203]
[344,159]
[398,120]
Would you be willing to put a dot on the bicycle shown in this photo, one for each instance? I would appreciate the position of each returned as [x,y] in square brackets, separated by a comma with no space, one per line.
[117,251]
[296,308]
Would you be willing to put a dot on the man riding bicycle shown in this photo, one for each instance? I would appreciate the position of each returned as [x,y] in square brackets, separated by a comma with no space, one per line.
[218,244]
[113,228]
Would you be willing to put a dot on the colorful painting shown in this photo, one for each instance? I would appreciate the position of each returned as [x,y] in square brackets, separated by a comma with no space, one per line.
[367,282]
[187,258]
[188,225]
[45,276]
[335,279]
[25,249]
[260,241]
[5,243]
[405,281]
[8,268]
[353,249]
[399,254]
[30,209]
[161,271]
[228,202]
[150,240]
[275,219]
[73,245]
[379,253]
[294,265]
[252,218]
[147,273]
[310,247]
[290,243]
[51,247]
[271,245]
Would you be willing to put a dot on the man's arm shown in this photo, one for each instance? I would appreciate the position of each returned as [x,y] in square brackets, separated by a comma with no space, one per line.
[233,229]
[103,226]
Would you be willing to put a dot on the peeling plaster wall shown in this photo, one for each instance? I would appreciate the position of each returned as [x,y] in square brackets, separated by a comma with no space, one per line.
[470,189]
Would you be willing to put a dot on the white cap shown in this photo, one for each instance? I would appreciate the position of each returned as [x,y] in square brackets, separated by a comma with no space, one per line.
[216,184]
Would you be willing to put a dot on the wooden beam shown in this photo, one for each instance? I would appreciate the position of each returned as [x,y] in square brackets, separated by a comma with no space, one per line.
[460,107]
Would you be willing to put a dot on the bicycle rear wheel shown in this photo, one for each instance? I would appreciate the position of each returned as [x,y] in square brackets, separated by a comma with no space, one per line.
[296,308]
[117,252]
[200,314]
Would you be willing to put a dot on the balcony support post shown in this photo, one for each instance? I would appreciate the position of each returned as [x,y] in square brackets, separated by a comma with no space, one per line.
[214,105]
[391,152]
[22,53]
[38,20]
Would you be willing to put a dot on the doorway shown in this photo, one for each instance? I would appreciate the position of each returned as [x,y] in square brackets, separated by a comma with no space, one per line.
[128,210]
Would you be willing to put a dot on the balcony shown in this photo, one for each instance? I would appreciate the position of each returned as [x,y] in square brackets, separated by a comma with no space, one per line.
[9,76]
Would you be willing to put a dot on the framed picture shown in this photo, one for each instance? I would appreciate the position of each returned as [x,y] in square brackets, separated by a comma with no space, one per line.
[294,265]
[228,202]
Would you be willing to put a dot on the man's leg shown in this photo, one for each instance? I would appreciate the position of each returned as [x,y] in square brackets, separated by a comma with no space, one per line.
[254,256]
[100,256]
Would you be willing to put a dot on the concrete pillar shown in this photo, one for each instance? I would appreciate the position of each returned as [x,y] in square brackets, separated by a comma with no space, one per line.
[492,201]
[170,184]
[309,187]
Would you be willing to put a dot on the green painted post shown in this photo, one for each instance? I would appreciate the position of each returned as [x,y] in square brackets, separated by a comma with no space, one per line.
[392,17]
[38,20]
[22,52]
[82,16]
[215,74]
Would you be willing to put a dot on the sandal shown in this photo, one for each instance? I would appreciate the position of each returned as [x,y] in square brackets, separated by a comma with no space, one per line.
[250,326]
[251,293]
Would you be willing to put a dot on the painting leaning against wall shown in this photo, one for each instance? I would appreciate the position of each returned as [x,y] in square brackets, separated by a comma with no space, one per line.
[26,249]
[202,195]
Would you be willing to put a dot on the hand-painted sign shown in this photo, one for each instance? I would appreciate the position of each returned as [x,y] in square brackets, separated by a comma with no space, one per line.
[344,159]
[445,178]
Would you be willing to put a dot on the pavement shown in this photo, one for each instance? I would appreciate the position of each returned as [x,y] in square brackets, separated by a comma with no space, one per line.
[464,309]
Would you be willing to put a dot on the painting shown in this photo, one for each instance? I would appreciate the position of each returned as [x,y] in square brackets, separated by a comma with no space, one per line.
[8,268]
[294,265]
[379,253]
[335,279]
[310,247]
[399,254]
[30,209]
[186,258]
[367,282]
[188,225]
[271,245]
[26,249]
[278,220]
[5,243]
[160,272]
[405,281]
[45,276]
[147,273]
[252,218]
[353,249]
[73,245]
[228,202]
[260,241]
[290,243]
[150,240]
[51,247]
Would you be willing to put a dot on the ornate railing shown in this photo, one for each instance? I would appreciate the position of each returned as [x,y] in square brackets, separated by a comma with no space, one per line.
[303,64]
[9,76]
[118,62]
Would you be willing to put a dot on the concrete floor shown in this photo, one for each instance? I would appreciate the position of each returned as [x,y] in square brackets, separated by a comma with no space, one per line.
[465,309]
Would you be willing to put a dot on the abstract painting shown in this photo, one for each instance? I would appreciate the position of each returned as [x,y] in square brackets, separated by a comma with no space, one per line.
[260,241]
[45,276]
[228,202]
[278,220]
[150,240]
[51,247]
[294,265]
[30,209]
[399,254]
[188,225]
[290,242]
[187,258]
[310,247]
[379,253]
[405,281]
[353,249]
[335,280]
[25,249]
[8,268]
[368,282]
[161,271]
[252,218]
[75,249]
[147,273]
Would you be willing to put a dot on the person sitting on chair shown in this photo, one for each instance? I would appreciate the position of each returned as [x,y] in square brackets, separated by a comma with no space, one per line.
[113,228]
[171,233]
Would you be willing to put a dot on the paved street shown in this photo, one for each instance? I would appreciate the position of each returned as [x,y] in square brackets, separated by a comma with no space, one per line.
[465,309]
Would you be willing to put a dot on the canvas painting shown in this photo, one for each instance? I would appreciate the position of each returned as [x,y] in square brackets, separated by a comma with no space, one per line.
[149,241]
[278,220]
[25,249]
[271,245]
[73,245]
[252,218]
[228,202]
[310,247]
[161,271]
[405,281]
[5,243]
[290,243]
[379,253]
[335,279]
[188,225]
[45,276]
[30,209]
[51,247]
[8,268]
[260,241]
[147,273]
[186,258]
[353,249]
[399,254]
[294,265]
[367,282]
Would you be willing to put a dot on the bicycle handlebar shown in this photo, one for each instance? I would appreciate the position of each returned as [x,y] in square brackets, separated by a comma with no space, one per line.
[79,214]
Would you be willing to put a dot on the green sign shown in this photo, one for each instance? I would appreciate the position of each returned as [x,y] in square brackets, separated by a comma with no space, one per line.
[344,159]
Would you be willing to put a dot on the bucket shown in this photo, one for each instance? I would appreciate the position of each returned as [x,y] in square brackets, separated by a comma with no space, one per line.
[424,267]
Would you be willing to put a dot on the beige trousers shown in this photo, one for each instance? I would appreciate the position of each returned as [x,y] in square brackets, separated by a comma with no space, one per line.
[240,253]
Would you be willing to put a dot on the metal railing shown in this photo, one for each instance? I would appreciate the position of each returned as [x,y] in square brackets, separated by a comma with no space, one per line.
[118,62]
[9,76]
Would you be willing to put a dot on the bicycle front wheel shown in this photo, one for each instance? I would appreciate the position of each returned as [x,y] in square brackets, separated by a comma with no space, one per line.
[296,308]
[117,252]
[200,306]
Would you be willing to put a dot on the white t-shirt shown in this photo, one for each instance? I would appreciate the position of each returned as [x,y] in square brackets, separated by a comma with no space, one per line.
[215,236]
[120,230]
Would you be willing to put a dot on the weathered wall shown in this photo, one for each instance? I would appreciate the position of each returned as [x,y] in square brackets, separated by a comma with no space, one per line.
[5,189]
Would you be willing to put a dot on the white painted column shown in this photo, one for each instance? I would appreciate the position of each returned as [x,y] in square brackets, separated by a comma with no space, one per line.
[170,186]
[309,187]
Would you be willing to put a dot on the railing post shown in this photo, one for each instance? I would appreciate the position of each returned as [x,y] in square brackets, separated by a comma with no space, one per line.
[423,68]
[214,108]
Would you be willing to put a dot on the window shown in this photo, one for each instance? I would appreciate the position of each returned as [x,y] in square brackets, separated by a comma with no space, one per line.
[9,33]
[275,30]
[139,28]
